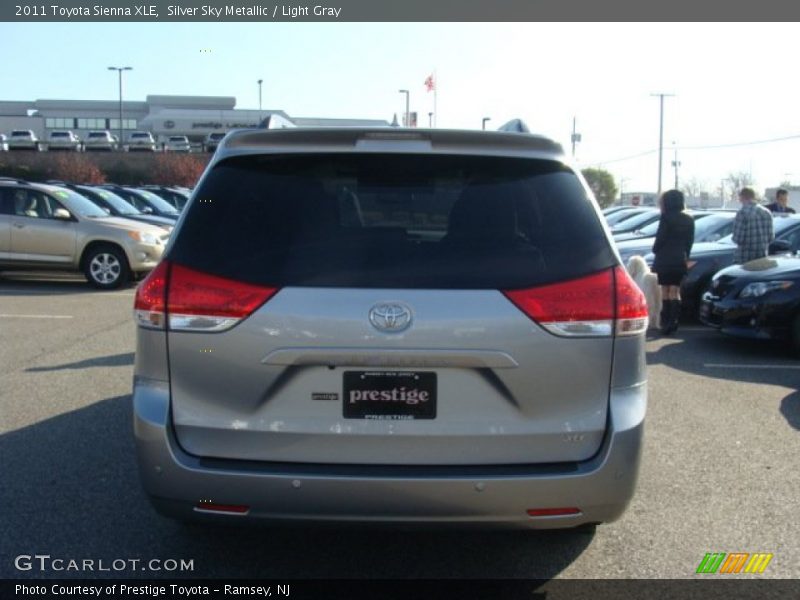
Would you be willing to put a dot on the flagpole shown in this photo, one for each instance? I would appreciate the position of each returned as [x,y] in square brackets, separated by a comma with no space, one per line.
[435,92]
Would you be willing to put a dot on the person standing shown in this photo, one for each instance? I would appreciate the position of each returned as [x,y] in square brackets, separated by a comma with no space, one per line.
[781,204]
[752,229]
[671,248]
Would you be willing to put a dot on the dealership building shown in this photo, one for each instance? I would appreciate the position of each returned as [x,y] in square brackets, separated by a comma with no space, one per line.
[192,116]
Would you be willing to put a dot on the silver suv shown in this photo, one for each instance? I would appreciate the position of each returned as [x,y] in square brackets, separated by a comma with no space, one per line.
[393,326]
[141,140]
[49,227]
[63,140]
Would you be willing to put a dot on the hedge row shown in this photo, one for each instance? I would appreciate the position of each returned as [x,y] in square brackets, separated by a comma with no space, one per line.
[122,168]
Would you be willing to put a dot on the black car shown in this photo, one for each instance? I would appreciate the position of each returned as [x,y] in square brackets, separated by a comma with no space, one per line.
[636,222]
[145,201]
[708,258]
[759,299]
[178,198]
[626,213]
[708,227]
[116,206]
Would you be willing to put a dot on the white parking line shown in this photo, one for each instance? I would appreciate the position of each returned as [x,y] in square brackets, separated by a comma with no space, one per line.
[745,366]
[36,316]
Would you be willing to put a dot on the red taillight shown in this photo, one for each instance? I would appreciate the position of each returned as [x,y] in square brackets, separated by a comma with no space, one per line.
[580,307]
[553,512]
[631,305]
[149,306]
[586,307]
[195,301]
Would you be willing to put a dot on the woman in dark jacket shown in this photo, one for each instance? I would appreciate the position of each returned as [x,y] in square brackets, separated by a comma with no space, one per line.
[673,244]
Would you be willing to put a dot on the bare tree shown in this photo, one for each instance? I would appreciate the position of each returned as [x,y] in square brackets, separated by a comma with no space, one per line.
[693,187]
[737,180]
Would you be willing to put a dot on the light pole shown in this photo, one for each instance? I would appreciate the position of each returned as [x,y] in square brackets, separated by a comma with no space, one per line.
[260,81]
[430,120]
[408,114]
[120,70]
[660,135]
[483,122]
[622,181]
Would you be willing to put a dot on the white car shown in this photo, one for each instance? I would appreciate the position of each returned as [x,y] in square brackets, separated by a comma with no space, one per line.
[99,140]
[3,143]
[178,143]
[141,141]
[23,139]
[63,140]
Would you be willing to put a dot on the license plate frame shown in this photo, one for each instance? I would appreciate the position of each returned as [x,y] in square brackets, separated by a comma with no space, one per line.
[389,395]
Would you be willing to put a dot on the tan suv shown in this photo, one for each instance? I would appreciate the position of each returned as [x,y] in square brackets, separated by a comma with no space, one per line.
[48,227]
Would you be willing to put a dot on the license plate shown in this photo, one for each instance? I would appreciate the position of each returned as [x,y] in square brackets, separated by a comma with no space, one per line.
[389,395]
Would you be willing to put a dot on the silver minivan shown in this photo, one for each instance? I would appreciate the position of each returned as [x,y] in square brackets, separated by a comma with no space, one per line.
[393,326]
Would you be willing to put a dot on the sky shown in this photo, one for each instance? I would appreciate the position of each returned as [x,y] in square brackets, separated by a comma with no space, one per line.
[732,82]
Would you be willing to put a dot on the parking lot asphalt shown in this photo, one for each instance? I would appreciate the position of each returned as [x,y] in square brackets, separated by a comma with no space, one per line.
[719,472]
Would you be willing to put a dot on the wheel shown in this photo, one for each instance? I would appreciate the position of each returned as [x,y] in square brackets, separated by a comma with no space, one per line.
[106,268]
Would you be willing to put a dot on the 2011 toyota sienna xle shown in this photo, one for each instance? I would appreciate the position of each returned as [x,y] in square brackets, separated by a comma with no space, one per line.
[426,327]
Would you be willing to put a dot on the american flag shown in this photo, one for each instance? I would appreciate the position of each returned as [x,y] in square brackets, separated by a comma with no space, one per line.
[430,85]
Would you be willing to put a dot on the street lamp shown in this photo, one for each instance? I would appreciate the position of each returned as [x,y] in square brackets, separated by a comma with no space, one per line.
[430,120]
[408,114]
[661,135]
[483,122]
[120,70]
[260,81]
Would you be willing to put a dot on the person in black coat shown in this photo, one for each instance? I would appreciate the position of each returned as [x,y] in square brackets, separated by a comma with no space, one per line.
[673,244]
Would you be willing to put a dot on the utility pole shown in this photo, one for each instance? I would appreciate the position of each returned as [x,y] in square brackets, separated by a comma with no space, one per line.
[661,135]
[483,122]
[675,164]
[722,193]
[430,120]
[622,181]
[576,137]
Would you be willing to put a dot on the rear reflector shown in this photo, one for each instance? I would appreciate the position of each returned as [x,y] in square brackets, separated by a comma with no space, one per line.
[586,307]
[553,512]
[237,509]
[187,300]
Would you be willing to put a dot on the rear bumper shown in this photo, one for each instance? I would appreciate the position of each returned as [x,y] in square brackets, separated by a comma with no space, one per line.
[493,496]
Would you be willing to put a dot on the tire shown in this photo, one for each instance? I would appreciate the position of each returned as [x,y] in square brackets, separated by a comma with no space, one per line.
[106,268]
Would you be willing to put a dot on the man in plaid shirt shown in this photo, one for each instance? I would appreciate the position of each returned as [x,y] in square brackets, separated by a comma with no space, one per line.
[752,229]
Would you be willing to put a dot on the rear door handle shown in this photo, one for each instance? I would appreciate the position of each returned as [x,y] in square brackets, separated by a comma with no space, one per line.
[19,225]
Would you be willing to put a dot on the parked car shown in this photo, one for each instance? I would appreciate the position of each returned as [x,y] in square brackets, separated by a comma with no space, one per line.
[117,207]
[175,196]
[708,227]
[707,258]
[626,213]
[400,333]
[63,140]
[759,299]
[212,141]
[178,143]
[3,142]
[100,140]
[141,141]
[145,201]
[49,227]
[24,139]
[636,221]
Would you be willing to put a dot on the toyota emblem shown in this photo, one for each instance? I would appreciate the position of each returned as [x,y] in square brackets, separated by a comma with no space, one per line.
[390,317]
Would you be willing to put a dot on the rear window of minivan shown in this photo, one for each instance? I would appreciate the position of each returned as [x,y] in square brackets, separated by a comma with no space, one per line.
[393,221]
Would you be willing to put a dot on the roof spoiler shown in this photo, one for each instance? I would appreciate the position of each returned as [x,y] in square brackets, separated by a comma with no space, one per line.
[276,122]
[515,126]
